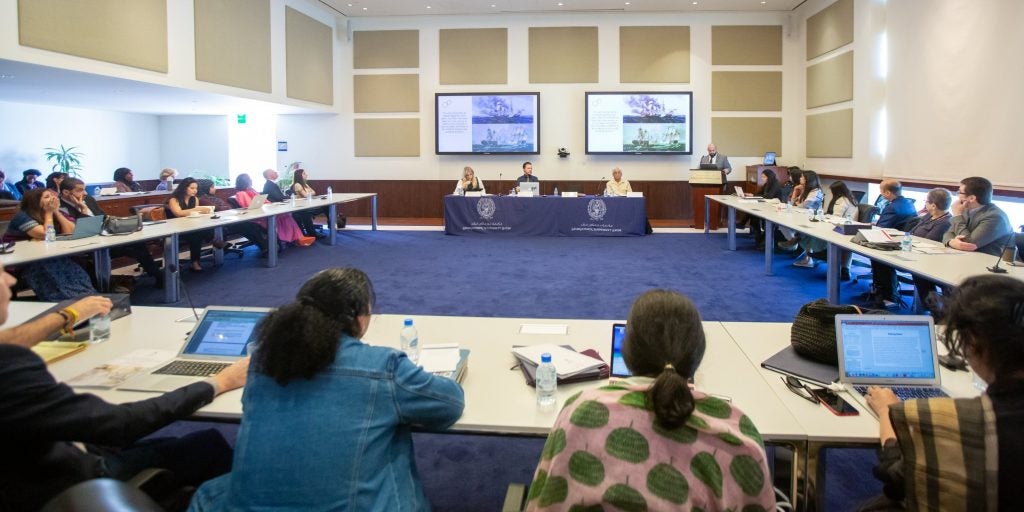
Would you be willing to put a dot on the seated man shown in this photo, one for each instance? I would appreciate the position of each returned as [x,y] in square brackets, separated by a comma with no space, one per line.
[617,186]
[75,204]
[896,214]
[977,224]
[271,188]
[527,175]
[49,430]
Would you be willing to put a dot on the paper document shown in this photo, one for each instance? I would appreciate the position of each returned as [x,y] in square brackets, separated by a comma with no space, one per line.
[439,357]
[876,235]
[115,372]
[567,362]
[544,329]
[936,249]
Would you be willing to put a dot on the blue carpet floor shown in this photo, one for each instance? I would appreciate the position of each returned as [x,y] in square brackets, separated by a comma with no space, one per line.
[428,273]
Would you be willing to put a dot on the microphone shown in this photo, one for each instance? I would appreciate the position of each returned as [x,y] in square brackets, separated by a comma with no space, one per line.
[604,183]
[996,269]
[500,183]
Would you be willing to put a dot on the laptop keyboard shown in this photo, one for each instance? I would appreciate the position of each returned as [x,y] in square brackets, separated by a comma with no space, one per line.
[192,368]
[909,393]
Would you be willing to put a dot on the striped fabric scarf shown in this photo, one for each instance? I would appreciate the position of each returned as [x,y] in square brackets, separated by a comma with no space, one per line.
[950,453]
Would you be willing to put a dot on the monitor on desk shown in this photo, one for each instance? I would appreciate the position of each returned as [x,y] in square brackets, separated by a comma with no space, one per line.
[769,158]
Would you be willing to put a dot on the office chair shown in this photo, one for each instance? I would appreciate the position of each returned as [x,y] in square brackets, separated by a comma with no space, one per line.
[858,195]
[141,494]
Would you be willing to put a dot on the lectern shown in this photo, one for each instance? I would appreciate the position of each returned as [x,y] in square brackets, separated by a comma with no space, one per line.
[705,183]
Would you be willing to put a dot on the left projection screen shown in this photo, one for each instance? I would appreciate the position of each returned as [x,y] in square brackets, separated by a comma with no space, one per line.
[486,124]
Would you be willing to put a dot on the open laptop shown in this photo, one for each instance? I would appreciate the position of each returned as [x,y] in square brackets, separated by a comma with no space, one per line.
[532,186]
[708,167]
[741,193]
[84,228]
[895,351]
[218,339]
[257,202]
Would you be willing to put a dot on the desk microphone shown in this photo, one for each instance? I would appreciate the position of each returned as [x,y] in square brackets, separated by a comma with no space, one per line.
[996,269]
[604,182]
[500,184]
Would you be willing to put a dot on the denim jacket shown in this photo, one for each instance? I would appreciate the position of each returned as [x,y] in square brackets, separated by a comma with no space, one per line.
[339,441]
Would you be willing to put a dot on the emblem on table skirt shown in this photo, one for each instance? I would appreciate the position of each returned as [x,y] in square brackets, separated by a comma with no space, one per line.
[485,207]
[596,209]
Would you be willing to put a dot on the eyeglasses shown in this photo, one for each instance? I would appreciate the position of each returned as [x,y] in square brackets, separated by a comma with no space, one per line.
[798,388]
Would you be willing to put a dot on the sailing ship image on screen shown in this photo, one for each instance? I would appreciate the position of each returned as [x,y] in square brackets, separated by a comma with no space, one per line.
[469,123]
[639,123]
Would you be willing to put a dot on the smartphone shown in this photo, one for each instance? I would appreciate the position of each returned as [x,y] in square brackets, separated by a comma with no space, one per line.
[835,403]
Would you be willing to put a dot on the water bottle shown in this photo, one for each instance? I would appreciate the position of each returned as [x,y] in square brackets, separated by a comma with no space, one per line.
[96,191]
[907,243]
[330,193]
[51,234]
[556,191]
[293,199]
[819,214]
[547,381]
[99,328]
[410,341]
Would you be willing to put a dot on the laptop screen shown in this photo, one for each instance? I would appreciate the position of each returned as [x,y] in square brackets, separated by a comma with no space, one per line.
[223,333]
[619,368]
[887,348]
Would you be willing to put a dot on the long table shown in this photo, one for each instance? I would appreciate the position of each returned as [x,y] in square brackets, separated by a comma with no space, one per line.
[544,216]
[949,268]
[170,230]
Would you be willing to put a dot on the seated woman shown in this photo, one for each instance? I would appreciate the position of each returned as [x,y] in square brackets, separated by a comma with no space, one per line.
[771,189]
[29,181]
[842,205]
[608,441]
[354,453]
[966,452]
[166,180]
[302,190]
[469,182]
[249,229]
[288,230]
[806,195]
[182,203]
[932,225]
[124,180]
[53,279]
[54,180]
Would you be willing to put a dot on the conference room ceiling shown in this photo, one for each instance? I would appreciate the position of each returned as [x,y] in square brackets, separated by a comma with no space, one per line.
[22,82]
[370,8]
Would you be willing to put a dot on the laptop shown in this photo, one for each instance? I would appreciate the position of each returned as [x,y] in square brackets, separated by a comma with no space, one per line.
[895,351]
[218,339]
[619,368]
[532,186]
[257,202]
[84,228]
[108,191]
[709,167]
[741,193]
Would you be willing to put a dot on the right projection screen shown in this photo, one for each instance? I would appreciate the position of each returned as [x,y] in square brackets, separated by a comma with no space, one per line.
[639,123]
[953,90]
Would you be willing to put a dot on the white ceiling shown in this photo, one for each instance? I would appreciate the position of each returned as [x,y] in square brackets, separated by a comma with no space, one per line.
[365,8]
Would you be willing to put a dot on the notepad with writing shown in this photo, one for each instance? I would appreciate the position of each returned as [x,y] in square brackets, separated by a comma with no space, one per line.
[52,351]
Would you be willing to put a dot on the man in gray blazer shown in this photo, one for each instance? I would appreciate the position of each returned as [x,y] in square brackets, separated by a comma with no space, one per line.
[719,160]
[977,225]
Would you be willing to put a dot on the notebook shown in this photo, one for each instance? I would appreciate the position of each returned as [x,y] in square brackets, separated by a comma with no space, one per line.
[619,368]
[84,228]
[895,351]
[218,339]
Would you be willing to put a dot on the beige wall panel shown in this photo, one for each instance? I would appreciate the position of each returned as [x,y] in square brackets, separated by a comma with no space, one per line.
[233,43]
[385,49]
[654,54]
[830,28]
[309,58]
[747,136]
[563,55]
[746,90]
[128,32]
[474,56]
[387,137]
[746,45]
[386,93]
[830,135]
[830,81]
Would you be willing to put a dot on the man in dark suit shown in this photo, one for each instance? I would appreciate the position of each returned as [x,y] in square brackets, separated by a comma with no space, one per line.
[75,203]
[270,187]
[977,225]
[527,175]
[51,436]
[899,210]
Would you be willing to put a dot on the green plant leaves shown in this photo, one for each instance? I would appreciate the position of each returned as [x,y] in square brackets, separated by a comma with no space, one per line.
[625,498]
[706,469]
[747,473]
[627,444]
[667,483]
[590,414]
[586,468]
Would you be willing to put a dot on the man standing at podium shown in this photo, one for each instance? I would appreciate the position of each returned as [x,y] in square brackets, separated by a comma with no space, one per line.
[717,159]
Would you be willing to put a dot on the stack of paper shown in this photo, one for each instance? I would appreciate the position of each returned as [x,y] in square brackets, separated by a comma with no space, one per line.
[445,360]
[567,362]
[116,372]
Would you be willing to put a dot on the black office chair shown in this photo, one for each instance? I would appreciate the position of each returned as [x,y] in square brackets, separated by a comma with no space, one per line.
[858,195]
[151,490]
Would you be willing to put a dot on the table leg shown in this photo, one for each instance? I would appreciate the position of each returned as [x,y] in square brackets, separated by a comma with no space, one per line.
[272,241]
[707,214]
[769,246]
[218,254]
[101,263]
[732,228]
[332,223]
[171,268]
[373,212]
[835,260]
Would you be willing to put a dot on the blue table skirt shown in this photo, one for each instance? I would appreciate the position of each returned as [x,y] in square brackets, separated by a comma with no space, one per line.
[544,216]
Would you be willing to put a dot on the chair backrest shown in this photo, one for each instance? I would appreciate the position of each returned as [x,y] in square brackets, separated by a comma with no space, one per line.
[1018,240]
[866,212]
[101,494]
[858,195]
[233,201]
[909,224]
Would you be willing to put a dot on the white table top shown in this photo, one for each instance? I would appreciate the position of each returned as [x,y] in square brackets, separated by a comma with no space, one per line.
[497,398]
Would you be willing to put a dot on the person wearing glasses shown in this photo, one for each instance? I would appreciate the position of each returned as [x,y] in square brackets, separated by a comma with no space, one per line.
[963,453]
[642,437]
[977,224]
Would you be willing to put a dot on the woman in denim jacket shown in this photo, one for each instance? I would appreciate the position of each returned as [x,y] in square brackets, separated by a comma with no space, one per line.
[327,422]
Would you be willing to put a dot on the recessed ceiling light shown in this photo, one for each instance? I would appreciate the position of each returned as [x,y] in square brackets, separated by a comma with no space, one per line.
[627,3]
[428,7]
[695,3]
[560,4]
[492,5]
[364,8]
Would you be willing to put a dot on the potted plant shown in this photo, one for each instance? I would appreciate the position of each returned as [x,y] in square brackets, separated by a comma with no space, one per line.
[66,160]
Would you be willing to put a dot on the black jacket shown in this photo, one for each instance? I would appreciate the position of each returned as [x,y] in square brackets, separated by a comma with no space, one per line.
[273,192]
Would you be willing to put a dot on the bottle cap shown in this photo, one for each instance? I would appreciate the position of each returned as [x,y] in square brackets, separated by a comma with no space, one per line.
[545,357]
[408,322]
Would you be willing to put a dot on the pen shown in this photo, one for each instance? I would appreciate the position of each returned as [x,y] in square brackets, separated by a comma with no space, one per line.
[81,245]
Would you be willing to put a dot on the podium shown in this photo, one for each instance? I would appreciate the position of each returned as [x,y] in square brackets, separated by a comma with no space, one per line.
[704,183]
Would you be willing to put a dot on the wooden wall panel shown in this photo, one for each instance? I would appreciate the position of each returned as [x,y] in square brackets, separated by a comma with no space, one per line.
[654,54]
[746,45]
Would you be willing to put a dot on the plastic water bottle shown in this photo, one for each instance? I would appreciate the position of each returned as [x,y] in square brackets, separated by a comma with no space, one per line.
[547,381]
[96,191]
[410,341]
[907,243]
[99,328]
[293,199]
[556,191]
[819,214]
[51,234]
[330,193]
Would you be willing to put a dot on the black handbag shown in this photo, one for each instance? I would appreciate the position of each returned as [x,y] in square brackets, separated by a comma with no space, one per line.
[121,225]
[813,334]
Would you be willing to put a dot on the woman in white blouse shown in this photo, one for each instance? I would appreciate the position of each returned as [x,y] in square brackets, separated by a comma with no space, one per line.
[469,182]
